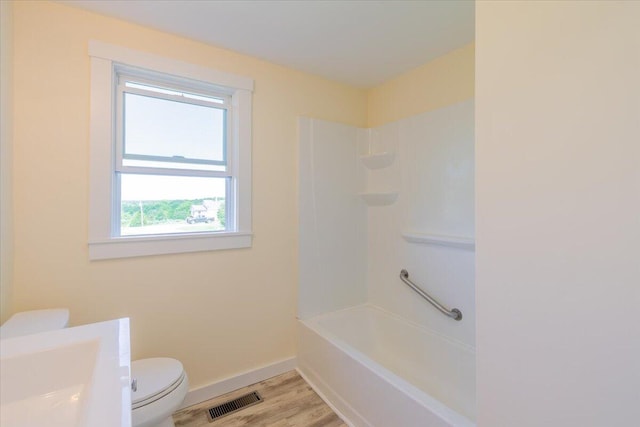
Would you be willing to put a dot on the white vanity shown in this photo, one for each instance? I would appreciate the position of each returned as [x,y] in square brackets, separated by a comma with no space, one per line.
[77,376]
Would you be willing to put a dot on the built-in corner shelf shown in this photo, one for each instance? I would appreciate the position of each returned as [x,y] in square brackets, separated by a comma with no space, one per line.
[378,160]
[379,198]
[467,243]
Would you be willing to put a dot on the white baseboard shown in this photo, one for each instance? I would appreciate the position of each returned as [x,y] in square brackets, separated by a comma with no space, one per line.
[235,382]
[329,397]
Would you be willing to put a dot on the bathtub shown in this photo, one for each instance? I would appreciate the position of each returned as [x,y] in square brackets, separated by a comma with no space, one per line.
[377,369]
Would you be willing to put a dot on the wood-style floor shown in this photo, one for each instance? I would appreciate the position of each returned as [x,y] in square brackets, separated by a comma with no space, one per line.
[288,401]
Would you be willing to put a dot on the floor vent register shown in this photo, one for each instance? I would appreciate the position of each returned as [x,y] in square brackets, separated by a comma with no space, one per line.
[233,406]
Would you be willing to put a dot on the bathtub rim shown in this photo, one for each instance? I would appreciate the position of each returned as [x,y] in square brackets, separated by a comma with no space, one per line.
[367,305]
[419,396]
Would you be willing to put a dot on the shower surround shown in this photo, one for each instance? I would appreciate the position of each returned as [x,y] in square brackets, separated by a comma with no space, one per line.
[373,202]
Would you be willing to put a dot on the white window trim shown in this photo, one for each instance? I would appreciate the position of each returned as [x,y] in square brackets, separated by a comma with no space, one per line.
[102,245]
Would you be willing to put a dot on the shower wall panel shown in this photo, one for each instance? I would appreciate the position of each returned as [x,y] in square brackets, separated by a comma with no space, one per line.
[332,227]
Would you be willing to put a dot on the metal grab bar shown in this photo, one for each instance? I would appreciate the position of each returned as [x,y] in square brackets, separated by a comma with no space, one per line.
[454,313]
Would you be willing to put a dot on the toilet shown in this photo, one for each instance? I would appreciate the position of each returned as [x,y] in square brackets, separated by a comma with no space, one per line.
[33,322]
[158,385]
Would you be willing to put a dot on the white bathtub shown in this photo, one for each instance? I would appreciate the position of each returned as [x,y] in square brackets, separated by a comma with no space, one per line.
[377,369]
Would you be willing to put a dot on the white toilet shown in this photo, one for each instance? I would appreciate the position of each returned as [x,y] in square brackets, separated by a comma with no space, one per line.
[33,322]
[159,385]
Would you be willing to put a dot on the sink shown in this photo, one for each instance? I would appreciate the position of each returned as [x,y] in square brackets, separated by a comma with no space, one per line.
[70,377]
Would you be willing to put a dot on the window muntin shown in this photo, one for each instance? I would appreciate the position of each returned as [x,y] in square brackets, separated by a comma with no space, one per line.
[158,89]
[172,150]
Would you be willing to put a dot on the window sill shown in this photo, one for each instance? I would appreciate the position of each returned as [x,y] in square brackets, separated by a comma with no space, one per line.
[135,246]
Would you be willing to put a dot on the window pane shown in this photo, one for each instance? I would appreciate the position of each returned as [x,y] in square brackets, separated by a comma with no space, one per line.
[164,128]
[156,204]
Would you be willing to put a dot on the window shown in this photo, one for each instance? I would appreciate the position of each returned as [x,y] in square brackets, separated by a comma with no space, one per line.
[172,169]
[170,156]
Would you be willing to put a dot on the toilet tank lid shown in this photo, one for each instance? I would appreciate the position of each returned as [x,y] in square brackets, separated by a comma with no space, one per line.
[153,376]
[34,321]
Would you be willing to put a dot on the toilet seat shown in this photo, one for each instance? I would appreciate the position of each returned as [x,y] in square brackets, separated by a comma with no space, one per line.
[159,395]
[155,377]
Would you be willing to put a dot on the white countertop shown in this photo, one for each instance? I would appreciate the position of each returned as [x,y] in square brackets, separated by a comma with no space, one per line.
[70,377]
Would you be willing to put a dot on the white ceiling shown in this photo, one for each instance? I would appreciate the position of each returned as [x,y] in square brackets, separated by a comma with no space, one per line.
[361,43]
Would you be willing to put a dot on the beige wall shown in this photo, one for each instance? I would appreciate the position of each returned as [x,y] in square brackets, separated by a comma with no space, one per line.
[558,213]
[6,126]
[219,312]
[446,80]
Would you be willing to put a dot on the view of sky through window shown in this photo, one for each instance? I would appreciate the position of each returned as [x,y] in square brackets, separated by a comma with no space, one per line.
[160,127]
